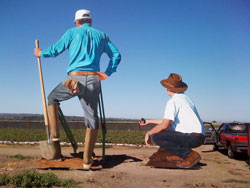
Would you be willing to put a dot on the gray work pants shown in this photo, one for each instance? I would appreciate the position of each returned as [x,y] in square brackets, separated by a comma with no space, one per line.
[89,86]
[178,143]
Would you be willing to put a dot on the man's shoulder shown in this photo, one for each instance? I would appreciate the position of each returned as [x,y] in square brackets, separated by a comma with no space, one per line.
[80,29]
[71,30]
[183,99]
[171,101]
[180,98]
[98,31]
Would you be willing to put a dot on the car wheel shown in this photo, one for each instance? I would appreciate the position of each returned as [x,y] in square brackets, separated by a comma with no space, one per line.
[215,147]
[230,152]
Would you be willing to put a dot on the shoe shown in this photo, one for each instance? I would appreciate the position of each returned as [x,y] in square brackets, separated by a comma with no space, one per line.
[88,166]
[54,130]
[53,122]
[192,159]
[90,139]
[174,158]
[163,155]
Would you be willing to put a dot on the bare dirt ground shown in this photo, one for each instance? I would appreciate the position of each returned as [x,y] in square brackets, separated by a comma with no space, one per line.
[126,169]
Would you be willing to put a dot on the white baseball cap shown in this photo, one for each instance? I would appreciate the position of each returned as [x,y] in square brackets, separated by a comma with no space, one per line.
[81,14]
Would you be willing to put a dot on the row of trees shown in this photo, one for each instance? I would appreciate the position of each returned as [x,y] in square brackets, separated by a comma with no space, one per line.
[40,117]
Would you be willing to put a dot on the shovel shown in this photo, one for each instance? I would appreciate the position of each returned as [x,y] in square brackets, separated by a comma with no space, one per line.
[49,149]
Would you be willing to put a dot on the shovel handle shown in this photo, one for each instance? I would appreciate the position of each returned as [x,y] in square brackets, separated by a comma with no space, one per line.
[45,111]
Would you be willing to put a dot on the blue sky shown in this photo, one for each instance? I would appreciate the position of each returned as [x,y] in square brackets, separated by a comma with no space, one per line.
[205,41]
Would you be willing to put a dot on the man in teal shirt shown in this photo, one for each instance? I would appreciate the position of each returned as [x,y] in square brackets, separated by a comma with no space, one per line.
[86,46]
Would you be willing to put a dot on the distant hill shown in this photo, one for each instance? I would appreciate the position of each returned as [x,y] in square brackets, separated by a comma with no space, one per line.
[39,117]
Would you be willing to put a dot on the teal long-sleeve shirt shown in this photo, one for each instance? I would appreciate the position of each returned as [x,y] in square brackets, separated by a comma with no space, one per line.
[86,46]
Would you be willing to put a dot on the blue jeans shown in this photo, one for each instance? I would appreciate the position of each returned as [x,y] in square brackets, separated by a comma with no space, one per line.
[177,143]
[89,86]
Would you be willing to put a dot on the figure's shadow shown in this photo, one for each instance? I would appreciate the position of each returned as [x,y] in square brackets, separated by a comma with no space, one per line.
[111,161]
[208,151]
[200,164]
[237,156]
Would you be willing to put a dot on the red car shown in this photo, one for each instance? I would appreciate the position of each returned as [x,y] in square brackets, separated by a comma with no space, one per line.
[233,137]
[249,143]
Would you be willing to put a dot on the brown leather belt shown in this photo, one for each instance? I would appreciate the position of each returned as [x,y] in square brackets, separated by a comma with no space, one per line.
[78,73]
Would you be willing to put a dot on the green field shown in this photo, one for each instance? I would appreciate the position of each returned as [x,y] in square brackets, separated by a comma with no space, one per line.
[113,136]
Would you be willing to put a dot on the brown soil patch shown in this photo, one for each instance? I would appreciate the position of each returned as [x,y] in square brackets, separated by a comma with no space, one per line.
[126,167]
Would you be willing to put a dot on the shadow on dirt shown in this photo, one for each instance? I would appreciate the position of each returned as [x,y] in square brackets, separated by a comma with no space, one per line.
[115,160]
[237,156]
[76,162]
[209,151]
[200,164]
[112,160]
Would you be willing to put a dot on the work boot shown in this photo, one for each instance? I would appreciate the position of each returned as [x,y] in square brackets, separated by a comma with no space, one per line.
[192,159]
[89,145]
[163,154]
[54,128]
[160,152]
[53,122]
[173,158]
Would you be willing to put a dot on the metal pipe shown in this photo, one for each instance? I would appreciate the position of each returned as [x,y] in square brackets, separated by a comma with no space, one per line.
[103,122]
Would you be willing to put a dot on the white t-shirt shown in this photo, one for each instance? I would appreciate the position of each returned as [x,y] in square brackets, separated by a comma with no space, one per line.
[182,111]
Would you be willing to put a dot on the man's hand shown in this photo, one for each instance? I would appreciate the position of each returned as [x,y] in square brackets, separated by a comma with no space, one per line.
[102,76]
[147,139]
[143,122]
[37,52]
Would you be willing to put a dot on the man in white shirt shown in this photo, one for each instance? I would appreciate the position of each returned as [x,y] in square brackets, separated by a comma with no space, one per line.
[181,127]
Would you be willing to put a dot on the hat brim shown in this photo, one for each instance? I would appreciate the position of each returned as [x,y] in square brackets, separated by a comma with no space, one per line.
[183,87]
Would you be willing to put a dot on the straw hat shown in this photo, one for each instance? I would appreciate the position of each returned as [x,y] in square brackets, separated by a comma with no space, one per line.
[174,83]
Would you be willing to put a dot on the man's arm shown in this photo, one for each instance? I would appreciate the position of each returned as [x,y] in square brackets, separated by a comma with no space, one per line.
[115,57]
[158,128]
[102,76]
[150,121]
[55,49]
